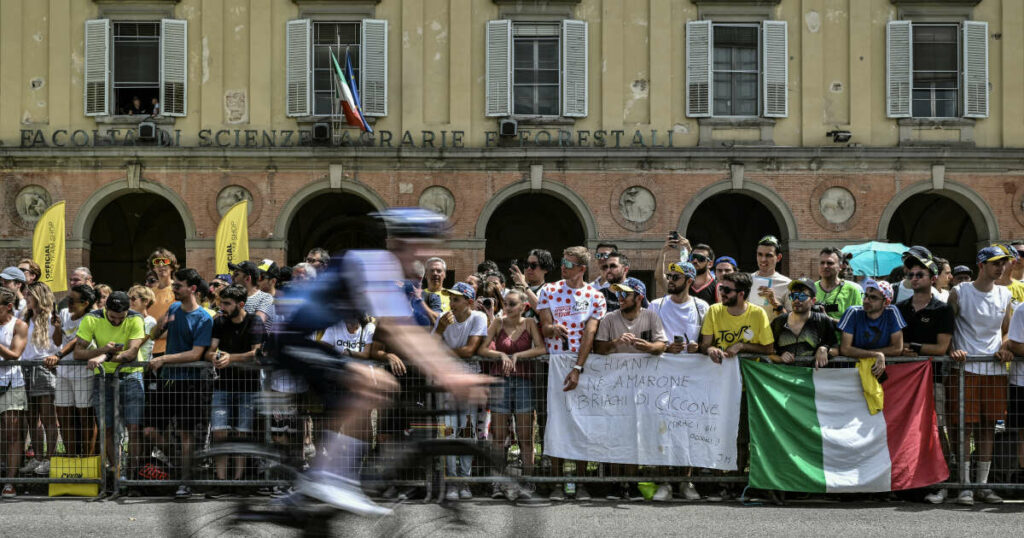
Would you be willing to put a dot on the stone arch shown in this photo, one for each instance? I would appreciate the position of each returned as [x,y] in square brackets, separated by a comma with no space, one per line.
[977,208]
[312,190]
[86,217]
[775,204]
[557,190]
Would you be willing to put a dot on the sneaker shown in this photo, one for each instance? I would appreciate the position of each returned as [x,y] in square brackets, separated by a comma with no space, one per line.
[184,492]
[663,494]
[465,493]
[43,469]
[936,497]
[966,498]
[496,491]
[581,493]
[30,466]
[280,491]
[215,493]
[338,492]
[527,490]
[690,493]
[557,494]
[9,492]
[511,492]
[452,494]
[988,496]
[721,495]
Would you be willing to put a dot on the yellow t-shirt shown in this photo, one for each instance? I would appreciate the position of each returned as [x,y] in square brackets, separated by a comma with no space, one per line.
[446,299]
[751,327]
[1016,288]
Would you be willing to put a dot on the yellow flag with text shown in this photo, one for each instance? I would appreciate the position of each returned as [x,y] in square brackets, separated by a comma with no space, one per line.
[233,237]
[48,248]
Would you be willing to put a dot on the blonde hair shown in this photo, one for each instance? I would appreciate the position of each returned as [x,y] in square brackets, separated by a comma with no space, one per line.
[43,297]
[101,289]
[580,253]
[145,293]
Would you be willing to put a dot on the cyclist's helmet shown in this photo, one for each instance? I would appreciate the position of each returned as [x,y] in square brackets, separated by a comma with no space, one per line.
[413,222]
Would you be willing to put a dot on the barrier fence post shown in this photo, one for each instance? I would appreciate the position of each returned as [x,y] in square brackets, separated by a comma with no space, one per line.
[100,384]
[118,456]
[962,470]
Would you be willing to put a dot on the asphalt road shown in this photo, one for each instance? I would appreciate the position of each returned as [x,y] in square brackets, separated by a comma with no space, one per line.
[201,518]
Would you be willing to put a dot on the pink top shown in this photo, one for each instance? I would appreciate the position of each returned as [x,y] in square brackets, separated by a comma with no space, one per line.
[506,345]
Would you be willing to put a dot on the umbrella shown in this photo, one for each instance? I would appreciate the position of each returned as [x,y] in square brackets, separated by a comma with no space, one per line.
[875,258]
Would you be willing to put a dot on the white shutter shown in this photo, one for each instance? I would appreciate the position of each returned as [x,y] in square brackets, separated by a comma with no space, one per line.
[975,69]
[299,87]
[499,68]
[574,68]
[97,67]
[698,69]
[173,67]
[899,68]
[373,61]
[775,50]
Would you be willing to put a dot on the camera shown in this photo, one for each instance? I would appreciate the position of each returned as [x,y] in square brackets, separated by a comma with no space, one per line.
[673,235]
[488,302]
[831,308]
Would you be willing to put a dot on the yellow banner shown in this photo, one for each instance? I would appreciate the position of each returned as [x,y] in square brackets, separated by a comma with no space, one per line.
[232,244]
[48,248]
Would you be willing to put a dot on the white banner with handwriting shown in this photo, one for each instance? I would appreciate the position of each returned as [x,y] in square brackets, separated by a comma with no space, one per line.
[679,410]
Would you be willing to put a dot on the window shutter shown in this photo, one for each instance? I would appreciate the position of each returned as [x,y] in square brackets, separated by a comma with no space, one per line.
[776,69]
[574,68]
[298,93]
[698,69]
[975,69]
[173,67]
[499,68]
[373,61]
[97,67]
[899,68]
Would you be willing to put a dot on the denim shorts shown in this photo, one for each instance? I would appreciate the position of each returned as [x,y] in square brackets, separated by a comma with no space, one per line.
[514,395]
[132,398]
[232,411]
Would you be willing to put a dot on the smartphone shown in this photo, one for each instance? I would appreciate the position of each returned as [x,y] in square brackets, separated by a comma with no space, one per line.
[515,262]
[673,235]
[678,339]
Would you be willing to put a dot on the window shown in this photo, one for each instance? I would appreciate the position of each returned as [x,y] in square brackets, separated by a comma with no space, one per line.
[735,69]
[341,38]
[310,72]
[536,74]
[125,60]
[136,67]
[536,69]
[936,70]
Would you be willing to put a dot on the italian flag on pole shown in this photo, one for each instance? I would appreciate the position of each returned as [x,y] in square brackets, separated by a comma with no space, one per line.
[810,430]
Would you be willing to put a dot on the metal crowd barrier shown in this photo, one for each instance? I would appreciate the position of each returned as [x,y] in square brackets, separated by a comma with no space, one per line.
[281,413]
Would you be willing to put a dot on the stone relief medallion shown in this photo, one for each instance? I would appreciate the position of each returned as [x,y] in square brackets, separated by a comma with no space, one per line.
[837,205]
[439,199]
[230,196]
[636,204]
[31,202]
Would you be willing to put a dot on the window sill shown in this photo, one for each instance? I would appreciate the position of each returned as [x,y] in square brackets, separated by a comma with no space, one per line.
[310,120]
[936,131]
[544,121]
[937,122]
[134,120]
[736,131]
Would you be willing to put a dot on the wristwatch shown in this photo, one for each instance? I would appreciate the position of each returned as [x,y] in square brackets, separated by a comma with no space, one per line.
[578,368]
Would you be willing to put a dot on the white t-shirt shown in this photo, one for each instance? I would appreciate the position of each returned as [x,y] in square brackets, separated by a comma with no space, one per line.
[342,340]
[146,351]
[70,327]
[32,351]
[1017,335]
[682,319]
[978,326]
[10,375]
[458,333]
[571,308]
[779,285]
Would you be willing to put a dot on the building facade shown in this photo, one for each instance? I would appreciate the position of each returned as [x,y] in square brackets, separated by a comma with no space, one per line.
[531,123]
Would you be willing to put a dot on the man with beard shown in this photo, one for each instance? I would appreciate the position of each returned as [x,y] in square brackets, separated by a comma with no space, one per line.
[185,394]
[703,285]
[681,314]
[803,332]
[615,270]
[873,330]
[833,293]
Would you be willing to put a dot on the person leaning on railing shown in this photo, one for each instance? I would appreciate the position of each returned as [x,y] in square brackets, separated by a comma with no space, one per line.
[13,338]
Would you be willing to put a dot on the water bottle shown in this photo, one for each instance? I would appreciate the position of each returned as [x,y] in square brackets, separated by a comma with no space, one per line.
[684,254]
[1000,426]
[570,488]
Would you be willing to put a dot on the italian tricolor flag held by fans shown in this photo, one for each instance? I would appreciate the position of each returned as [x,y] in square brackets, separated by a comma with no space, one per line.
[811,431]
[349,105]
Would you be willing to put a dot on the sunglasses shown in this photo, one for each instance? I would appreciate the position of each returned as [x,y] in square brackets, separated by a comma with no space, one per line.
[216,285]
[673,276]
[699,258]
[532,265]
[918,274]
[726,290]
[570,265]
[603,255]
[622,294]
[161,262]
[799,296]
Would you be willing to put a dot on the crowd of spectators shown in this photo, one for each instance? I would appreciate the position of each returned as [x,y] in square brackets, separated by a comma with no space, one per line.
[141,337]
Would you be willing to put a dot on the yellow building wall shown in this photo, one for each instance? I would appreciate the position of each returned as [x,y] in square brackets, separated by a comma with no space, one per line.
[437,58]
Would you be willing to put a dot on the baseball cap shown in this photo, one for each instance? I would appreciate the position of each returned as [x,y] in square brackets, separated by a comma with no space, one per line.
[118,302]
[879,285]
[961,270]
[224,276]
[922,256]
[463,289]
[631,286]
[987,254]
[729,259]
[270,268]
[247,267]
[803,283]
[13,273]
[684,268]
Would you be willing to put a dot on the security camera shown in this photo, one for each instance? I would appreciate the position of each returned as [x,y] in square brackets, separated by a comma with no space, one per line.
[839,136]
